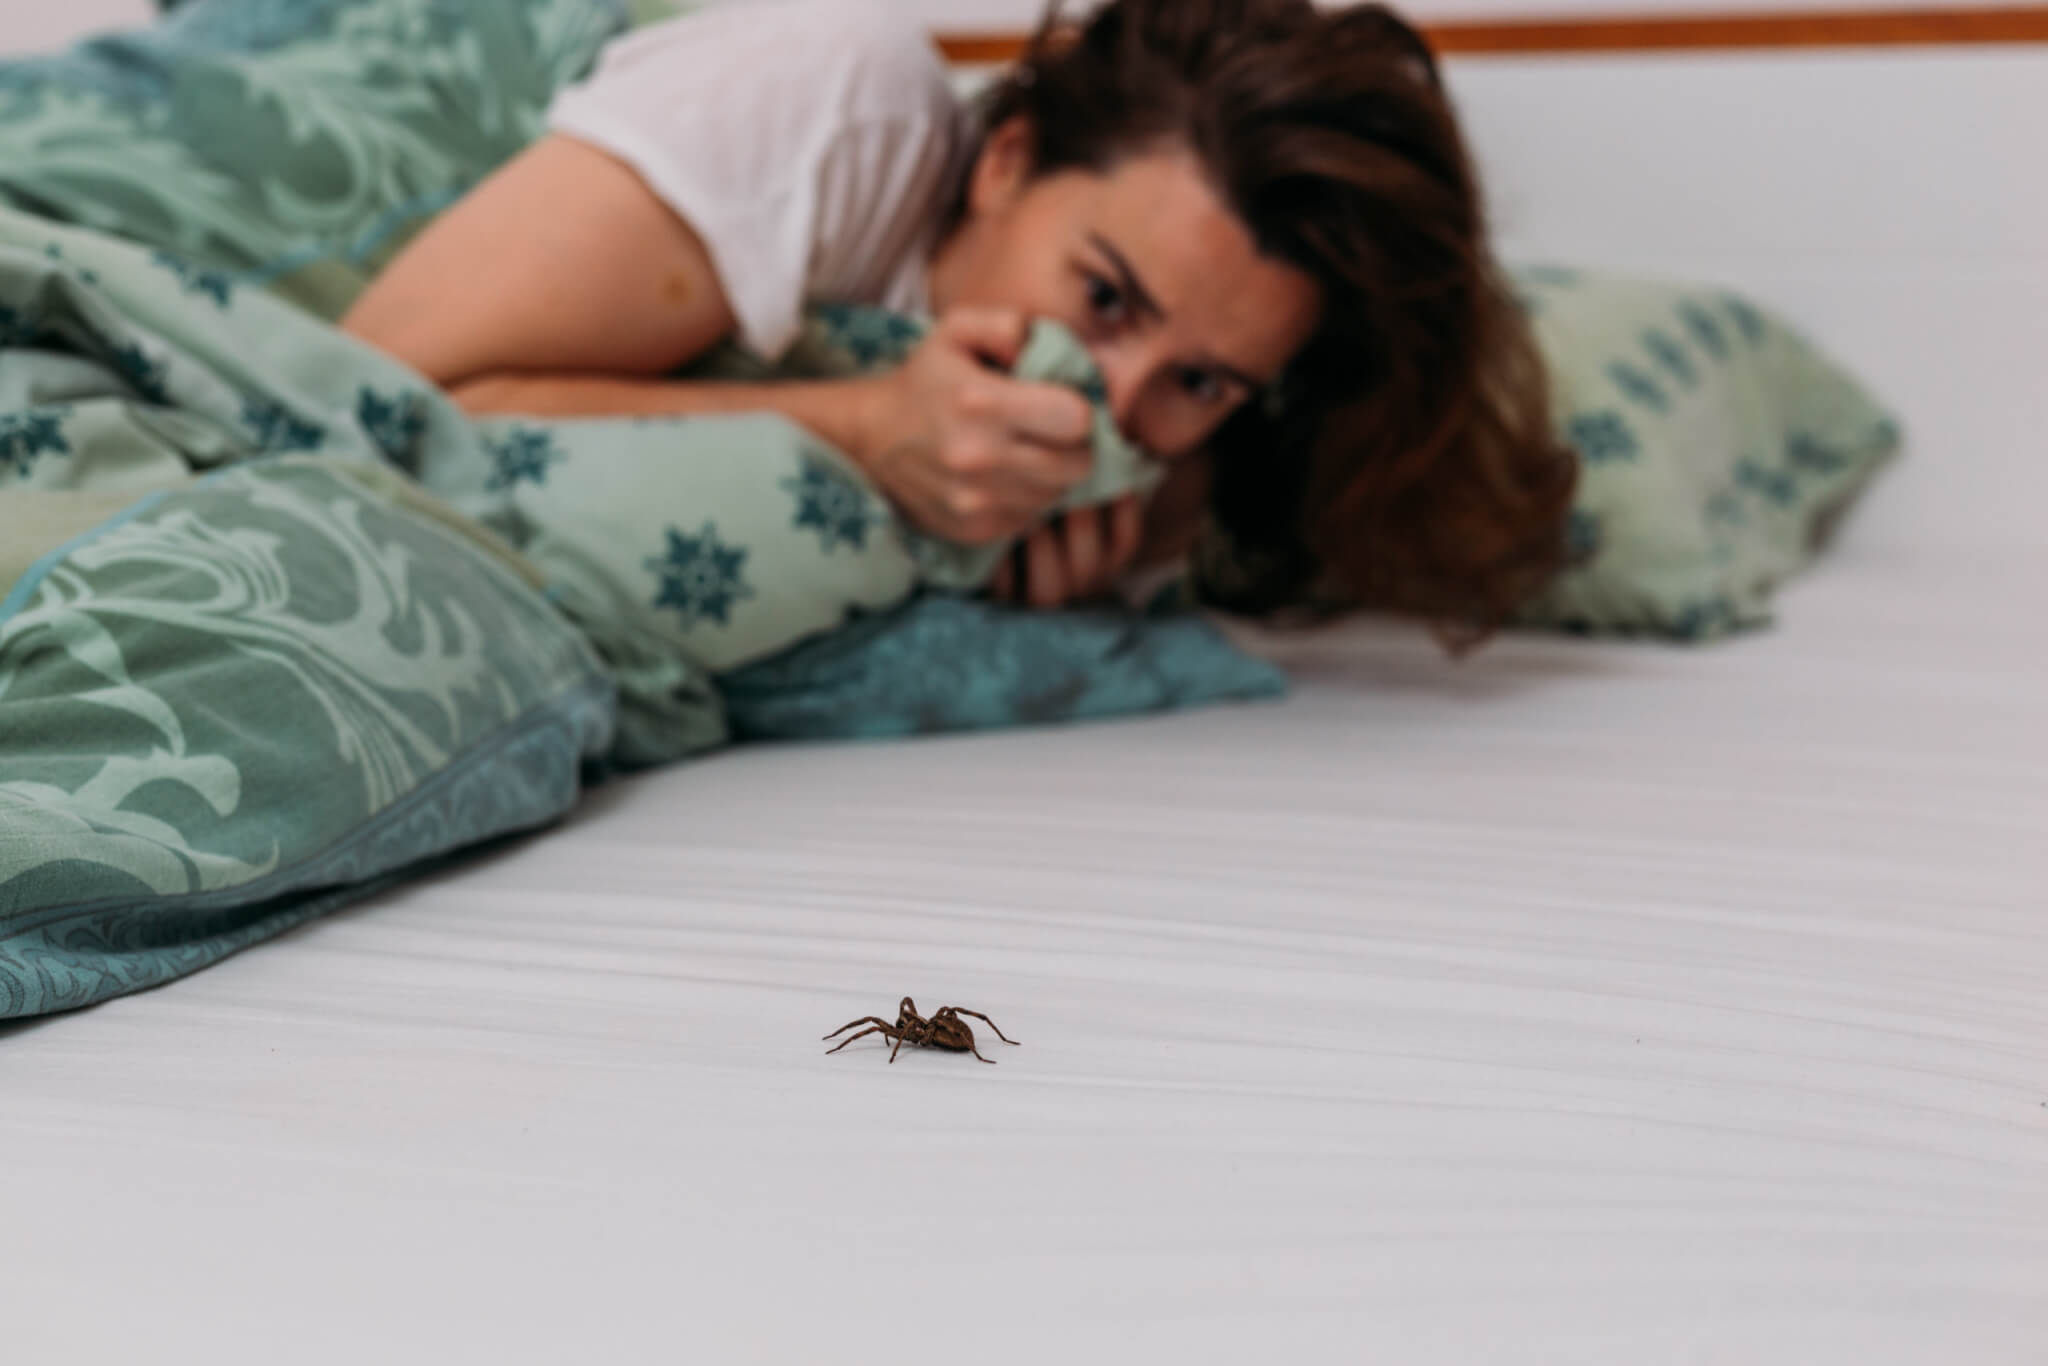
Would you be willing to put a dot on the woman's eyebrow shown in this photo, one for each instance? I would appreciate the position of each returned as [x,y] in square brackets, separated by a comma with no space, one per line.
[1128,278]
[1145,303]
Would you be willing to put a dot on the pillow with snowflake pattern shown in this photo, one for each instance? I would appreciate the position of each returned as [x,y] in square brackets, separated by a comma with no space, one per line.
[1717,447]
[728,539]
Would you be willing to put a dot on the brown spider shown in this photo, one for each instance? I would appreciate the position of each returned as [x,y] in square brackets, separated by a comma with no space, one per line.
[945,1029]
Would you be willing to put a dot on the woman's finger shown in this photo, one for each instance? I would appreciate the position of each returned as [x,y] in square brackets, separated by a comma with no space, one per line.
[1000,588]
[1018,498]
[1046,580]
[1126,531]
[1045,414]
[992,335]
[1086,553]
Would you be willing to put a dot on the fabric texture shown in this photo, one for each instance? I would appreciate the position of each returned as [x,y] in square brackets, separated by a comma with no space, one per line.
[1717,448]
[957,663]
[807,142]
[231,701]
[841,340]
[726,539]
[247,701]
[293,142]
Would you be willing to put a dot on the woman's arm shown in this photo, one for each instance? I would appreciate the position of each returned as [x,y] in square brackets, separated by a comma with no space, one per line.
[564,286]
[562,261]
[969,453]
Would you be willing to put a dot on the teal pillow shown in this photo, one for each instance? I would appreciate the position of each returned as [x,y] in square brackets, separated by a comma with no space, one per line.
[294,142]
[1717,448]
[942,662]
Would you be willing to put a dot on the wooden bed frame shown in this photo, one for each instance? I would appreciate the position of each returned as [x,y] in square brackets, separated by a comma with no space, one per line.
[1638,33]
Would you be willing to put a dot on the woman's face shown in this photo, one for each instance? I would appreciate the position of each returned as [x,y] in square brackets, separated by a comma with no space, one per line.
[1148,267]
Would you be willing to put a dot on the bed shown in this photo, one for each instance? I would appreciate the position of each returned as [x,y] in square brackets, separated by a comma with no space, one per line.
[1577,1002]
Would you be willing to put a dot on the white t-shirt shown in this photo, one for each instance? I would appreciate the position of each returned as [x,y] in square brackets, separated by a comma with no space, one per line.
[809,143]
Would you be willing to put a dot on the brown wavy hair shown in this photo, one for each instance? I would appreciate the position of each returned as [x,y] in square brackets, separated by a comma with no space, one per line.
[1409,463]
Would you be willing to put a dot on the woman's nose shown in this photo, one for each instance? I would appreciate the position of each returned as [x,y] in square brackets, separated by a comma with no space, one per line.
[1125,370]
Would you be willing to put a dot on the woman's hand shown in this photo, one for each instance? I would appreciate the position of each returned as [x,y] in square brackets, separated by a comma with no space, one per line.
[1075,558]
[969,453]
[1082,554]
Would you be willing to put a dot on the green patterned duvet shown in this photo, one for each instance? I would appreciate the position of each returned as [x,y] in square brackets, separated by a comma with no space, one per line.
[280,621]
[250,698]
[298,143]
[248,668]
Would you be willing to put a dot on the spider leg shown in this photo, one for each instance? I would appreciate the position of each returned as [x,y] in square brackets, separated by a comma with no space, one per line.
[985,1020]
[977,1052]
[865,1019]
[878,1029]
[899,1045]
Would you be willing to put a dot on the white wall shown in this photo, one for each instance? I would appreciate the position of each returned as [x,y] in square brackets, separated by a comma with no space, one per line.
[1817,161]
[1890,204]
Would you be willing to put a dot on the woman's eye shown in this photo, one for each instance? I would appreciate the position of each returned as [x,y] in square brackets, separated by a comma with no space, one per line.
[1202,386]
[1105,300]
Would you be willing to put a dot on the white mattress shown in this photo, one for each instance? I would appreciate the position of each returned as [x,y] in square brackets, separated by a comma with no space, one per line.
[1578,1003]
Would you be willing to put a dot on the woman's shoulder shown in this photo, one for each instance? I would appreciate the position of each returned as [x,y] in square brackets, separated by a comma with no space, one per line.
[865,56]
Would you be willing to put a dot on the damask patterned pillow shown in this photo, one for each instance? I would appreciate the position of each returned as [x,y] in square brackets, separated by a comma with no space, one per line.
[297,143]
[1717,445]
[253,698]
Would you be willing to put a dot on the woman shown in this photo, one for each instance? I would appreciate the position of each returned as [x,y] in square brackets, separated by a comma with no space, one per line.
[1259,216]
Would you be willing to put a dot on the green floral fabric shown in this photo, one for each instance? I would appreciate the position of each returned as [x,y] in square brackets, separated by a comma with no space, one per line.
[839,340]
[251,698]
[293,142]
[1717,447]
[247,667]
[948,663]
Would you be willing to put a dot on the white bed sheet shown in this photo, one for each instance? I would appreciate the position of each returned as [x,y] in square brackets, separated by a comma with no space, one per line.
[1578,1003]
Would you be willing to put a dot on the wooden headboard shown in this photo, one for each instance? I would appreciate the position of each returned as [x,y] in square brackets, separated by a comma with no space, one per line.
[1637,33]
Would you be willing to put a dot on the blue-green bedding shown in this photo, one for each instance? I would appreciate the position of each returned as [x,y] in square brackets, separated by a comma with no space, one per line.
[281,623]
